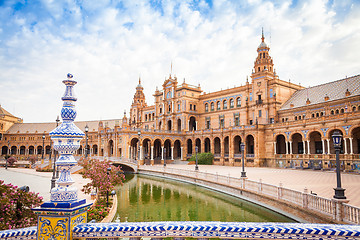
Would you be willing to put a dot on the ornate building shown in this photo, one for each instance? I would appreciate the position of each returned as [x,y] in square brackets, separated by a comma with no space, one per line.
[281,123]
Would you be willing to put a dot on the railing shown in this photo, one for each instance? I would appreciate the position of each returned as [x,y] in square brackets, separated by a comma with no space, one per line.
[206,230]
[326,207]
[197,230]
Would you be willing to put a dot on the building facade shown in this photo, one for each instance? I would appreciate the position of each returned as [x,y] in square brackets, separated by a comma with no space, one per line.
[281,123]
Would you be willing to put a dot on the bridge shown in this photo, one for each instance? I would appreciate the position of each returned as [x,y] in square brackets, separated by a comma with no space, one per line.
[127,165]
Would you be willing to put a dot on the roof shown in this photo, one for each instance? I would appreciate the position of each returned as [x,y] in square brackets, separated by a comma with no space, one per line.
[48,127]
[334,90]
[3,112]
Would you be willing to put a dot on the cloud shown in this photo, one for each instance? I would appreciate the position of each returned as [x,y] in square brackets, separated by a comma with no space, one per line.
[106,45]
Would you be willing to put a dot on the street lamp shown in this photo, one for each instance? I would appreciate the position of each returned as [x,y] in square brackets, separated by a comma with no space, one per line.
[107,192]
[242,147]
[164,157]
[42,152]
[139,134]
[196,161]
[339,191]
[53,179]
[86,140]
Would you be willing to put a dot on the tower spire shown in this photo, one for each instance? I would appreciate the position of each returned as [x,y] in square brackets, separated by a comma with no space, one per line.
[262,34]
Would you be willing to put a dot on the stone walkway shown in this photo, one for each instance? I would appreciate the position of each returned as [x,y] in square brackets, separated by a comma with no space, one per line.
[39,181]
[319,182]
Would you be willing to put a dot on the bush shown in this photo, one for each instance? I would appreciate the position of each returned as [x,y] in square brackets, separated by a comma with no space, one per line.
[99,211]
[45,169]
[203,158]
[15,207]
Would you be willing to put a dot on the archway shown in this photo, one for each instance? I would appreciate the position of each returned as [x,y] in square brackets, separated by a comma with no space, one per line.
[237,142]
[207,145]
[134,145]
[95,149]
[250,145]
[4,150]
[110,148]
[13,150]
[280,144]
[198,145]
[157,151]
[217,146]
[355,134]
[297,144]
[226,146]
[146,150]
[22,150]
[47,149]
[315,143]
[192,124]
[79,151]
[177,149]
[167,149]
[189,147]
[31,150]
[39,150]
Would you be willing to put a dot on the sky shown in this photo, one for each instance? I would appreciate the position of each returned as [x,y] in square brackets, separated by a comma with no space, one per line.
[108,44]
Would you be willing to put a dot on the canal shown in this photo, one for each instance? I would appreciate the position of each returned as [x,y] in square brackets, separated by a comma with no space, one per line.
[146,198]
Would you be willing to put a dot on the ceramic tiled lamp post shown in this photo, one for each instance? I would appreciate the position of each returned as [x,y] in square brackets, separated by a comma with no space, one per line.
[64,211]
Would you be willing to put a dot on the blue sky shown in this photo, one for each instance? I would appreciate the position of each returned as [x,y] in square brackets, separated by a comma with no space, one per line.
[108,44]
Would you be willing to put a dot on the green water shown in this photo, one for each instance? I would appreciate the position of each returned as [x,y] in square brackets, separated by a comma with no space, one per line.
[143,199]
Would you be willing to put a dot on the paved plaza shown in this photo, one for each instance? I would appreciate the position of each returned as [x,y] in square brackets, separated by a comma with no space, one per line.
[319,182]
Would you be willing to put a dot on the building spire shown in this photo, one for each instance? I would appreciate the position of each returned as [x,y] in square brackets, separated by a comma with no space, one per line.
[262,34]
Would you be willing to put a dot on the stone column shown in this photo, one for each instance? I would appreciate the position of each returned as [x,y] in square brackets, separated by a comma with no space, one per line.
[304,147]
[172,153]
[162,153]
[328,145]
[351,146]
[130,152]
[286,147]
[274,147]
[290,147]
[345,146]
[152,155]
[196,126]
[323,146]
[308,145]
[181,153]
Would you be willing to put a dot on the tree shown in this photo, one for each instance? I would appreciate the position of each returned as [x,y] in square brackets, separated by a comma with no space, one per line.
[15,207]
[102,181]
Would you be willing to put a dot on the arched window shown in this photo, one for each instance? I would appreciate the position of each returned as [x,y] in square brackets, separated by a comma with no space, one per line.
[354,108]
[238,102]
[312,115]
[342,110]
[317,114]
[206,107]
[218,105]
[332,112]
[337,111]
[145,117]
[169,107]
[212,106]
[225,104]
[231,103]
[295,118]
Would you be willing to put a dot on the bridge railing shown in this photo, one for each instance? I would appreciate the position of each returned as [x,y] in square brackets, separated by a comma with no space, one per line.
[331,208]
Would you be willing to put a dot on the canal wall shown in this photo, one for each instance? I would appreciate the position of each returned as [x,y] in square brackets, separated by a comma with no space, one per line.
[255,192]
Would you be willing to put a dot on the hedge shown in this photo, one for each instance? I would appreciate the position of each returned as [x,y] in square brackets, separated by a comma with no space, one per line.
[203,158]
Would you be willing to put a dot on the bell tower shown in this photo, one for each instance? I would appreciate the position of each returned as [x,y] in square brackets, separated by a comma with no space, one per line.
[263,64]
[137,106]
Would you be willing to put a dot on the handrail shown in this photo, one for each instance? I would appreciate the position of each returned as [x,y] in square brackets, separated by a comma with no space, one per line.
[201,230]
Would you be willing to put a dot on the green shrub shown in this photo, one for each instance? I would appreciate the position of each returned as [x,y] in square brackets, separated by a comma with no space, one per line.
[203,158]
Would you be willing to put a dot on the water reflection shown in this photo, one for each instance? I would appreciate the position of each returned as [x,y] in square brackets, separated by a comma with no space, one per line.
[145,198]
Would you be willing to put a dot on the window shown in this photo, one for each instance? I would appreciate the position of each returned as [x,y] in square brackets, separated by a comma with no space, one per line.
[295,118]
[312,115]
[225,104]
[271,93]
[160,110]
[222,123]
[237,122]
[212,106]
[263,55]
[250,97]
[194,107]
[231,103]
[206,107]
[145,117]
[259,113]
[332,112]
[208,124]
[178,106]
[258,69]
[169,108]
[342,110]
[238,102]
[271,120]
[354,109]
[337,111]
[190,106]
[317,115]
[251,122]
[218,105]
